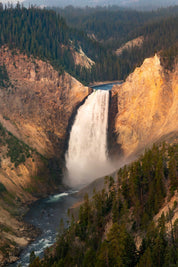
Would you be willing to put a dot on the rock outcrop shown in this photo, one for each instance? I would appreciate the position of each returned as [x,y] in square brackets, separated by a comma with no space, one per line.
[137,42]
[80,58]
[37,108]
[39,101]
[146,109]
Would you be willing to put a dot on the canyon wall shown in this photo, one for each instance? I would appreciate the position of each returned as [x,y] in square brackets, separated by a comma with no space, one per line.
[37,105]
[144,108]
[37,108]
[39,101]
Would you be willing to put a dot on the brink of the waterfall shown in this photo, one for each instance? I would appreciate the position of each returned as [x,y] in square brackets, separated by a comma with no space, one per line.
[86,158]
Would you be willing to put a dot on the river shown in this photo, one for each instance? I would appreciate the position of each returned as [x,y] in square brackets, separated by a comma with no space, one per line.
[105,86]
[46,215]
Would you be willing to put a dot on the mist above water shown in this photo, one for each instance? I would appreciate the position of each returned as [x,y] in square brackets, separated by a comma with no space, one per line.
[87,158]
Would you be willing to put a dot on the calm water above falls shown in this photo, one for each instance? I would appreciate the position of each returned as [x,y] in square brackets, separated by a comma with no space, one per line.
[105,86]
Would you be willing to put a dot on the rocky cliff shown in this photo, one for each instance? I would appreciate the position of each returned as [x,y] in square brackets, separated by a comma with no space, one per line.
[37,107]
[39,101]
[144,108]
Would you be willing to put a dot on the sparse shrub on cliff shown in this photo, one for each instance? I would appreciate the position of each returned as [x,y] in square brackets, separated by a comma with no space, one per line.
[2,188]
[169,57]
[2,130]
[4,78]
[18,151]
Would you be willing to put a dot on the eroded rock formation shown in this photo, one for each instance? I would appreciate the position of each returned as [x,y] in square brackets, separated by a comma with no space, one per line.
[147,107]
[39,101]
[37,105]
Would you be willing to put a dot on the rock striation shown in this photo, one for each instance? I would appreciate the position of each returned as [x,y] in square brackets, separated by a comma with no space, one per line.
[37,108]
[39,101]
[146,109]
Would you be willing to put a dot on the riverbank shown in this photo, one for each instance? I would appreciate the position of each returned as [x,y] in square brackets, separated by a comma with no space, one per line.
[16,235]
[15,232]
[45,215]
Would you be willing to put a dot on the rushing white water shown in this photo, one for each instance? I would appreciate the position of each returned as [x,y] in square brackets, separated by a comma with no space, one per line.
[86,158]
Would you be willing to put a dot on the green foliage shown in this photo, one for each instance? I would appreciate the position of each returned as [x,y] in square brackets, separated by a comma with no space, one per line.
[118,250]
[157,249]
[114,27]
[2,188]
[4,248]
[143,185]
[18,151]
[4,78]
[102,234]
[158,36]
[45,34]
[173,169]
[2,130]
[89,258]
[32,256]
[168,56]
[35,263]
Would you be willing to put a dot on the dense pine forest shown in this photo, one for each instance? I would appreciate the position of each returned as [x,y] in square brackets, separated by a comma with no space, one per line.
[40,33]
[159,37]
[114,26]
[46,35]
[105,231]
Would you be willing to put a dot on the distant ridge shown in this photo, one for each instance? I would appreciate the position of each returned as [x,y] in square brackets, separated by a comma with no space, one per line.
[138,4]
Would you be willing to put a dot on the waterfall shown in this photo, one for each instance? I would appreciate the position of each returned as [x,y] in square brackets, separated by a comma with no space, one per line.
[86,158]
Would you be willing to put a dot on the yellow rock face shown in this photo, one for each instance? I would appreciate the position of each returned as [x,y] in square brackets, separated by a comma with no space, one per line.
[147,106]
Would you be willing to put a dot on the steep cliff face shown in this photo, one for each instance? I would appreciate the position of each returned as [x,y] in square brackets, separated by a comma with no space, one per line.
[39,101]
[37,106]
[147,107]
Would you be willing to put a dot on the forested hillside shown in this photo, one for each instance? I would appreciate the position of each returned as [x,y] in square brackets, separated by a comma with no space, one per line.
[110,225]
[159,37]
[114,26]
[45,34]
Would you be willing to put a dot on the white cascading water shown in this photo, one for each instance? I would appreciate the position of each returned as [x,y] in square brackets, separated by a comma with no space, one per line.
[86,158]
